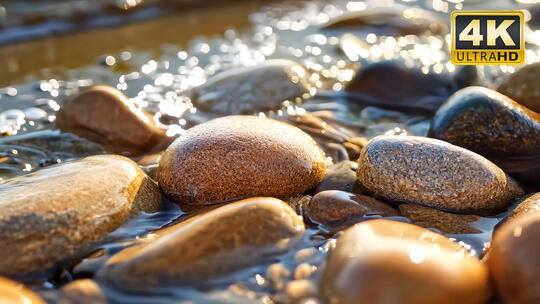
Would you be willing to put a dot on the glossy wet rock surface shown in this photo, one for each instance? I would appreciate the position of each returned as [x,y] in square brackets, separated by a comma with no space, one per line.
[339,209]
[252,89]
[221,241]
[105,115]
[236,157]
[57,213]
[514,259]
[445,222]
[381,261]
[434,173]
[493,125]
[12,292]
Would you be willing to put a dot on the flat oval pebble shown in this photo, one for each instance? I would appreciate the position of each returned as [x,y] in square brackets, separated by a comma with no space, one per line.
[522,86]
[237,157]
[434,173]
[57,213]
[493,125]
[12,292]
[382,261]
[105,115]
[221,241]
[410,88]
[341,209]
[249,90]
[514,260]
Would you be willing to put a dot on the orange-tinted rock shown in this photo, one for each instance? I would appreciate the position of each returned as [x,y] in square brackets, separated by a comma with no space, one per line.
[514,260]
[237,157]
[341,209]
[12,292]
[106,116]
[434,173]
[59,213]
[382,261]
[445,222]
[221,241]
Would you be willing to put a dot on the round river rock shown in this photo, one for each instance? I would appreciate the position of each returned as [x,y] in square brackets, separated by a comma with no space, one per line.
[236,157]
[57,213]
[382,261]
[434,173]
[12,292]
[522,86]
[221,241]
[514,259]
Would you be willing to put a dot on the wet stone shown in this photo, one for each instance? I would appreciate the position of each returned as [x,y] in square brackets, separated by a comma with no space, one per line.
[522,86]
[12,292]
[493,125]
[395,20]
[219,242]
[56,214]
[445,222]
[340,176]
[249,90]
[382,261]
[411,89]
[339,209]
[514,260]
[106,116]
[529,204]
[236,157]
[434,173]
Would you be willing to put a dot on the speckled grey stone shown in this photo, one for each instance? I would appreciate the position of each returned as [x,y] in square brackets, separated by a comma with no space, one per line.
[54,214]
[434,173]
[221,241]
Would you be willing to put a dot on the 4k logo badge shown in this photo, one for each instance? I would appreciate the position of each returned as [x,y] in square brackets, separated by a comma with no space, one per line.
[487,37]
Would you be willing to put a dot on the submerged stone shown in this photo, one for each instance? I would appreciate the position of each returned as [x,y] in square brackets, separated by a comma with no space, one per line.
[54,215]
[219,242]
[445,222]
[237,157]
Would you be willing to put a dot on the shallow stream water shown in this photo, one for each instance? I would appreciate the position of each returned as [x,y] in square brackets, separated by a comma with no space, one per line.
[155,70]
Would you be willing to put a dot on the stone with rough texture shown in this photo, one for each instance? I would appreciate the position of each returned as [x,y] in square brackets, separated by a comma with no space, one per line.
[514,260]
[434,173]
[522,86]
[493,125]
[382,261]
[341,209]
[106,116]
[12,292]
[248,90]
[237,157]
[445,222]
[55,214]
[219,242]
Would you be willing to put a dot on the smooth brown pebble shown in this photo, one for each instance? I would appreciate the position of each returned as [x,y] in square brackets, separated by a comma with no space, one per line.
[219,242]
[105,115]
[445,222]
[83,291]
[335,208]
[237,157]
[382,261]
[434,173]
[339,176]
[57,213]
[528,204]
[514,260]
